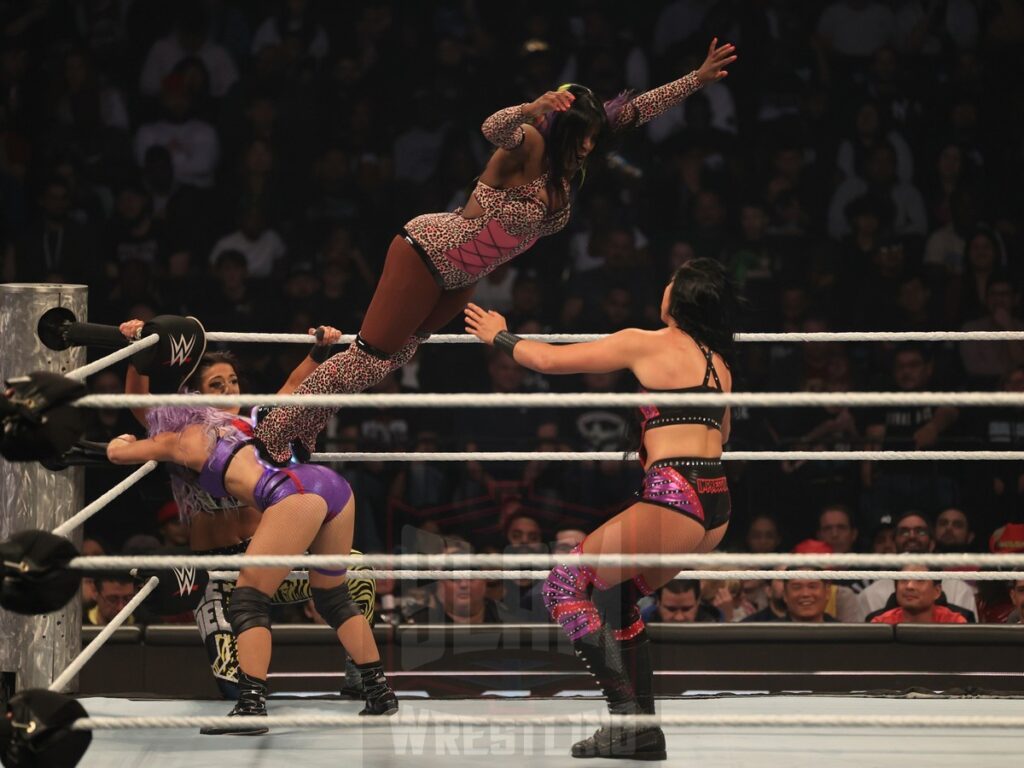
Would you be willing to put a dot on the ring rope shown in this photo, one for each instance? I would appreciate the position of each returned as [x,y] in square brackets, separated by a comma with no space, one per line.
[577,719]
[564,400]
[93,507]
[547,561]
[716,575]
[114,357]
[631,455]
[465,338]
[97,642]
[572,338]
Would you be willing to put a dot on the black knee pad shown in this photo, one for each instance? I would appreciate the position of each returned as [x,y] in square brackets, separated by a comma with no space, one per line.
[335,605]
[248,608]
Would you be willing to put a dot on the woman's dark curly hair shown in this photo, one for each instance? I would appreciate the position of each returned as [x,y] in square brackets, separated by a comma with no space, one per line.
[702,301]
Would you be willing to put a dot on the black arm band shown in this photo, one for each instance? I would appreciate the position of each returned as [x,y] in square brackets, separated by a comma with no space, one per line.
[506,342]
[320,353]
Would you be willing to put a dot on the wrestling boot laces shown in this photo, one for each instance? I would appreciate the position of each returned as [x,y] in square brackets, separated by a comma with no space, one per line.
[600,652]
[380,699]
[252,702]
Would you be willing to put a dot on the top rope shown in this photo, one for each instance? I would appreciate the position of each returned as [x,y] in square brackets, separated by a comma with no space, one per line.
[565,400]
[572,338]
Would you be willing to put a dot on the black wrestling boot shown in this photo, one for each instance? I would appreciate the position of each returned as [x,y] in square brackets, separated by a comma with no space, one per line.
[380,699]
[601,653]
[352,688]
[636,660]
[252,702]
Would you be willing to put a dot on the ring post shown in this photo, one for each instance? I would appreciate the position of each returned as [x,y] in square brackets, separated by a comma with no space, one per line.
[34,650]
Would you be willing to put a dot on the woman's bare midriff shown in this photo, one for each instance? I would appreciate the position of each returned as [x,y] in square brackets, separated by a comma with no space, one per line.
[690,440]
[242,474]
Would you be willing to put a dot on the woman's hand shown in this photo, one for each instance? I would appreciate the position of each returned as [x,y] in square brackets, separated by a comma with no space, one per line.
[114,446]
[484,324]
[552,101]
[330,336]
[131,329]
[719,57]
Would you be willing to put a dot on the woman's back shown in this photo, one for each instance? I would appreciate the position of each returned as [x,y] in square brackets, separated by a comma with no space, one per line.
[676,362]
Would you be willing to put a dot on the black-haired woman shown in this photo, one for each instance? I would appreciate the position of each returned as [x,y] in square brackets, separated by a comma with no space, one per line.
[432,265]
[683,504]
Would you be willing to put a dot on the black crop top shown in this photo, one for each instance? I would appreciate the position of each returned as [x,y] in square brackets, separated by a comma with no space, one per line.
[711,417]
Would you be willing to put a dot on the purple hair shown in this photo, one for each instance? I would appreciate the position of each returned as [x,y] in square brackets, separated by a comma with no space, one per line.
[613,108]
[175,418]
[190,498]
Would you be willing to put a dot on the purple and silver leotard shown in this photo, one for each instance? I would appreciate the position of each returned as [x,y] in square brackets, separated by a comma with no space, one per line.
[276,483]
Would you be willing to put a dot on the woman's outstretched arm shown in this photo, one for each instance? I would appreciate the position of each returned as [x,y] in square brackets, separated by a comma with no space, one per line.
[612,353]
[318,354]
[134,382]
[648,105]
[127,449]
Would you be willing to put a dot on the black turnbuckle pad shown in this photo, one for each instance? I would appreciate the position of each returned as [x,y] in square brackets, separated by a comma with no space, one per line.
[53,327]
[34,573]
[59,329]
[35,730]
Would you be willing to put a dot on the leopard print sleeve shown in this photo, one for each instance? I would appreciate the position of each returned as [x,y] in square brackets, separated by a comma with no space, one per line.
[647,106]
[505,127]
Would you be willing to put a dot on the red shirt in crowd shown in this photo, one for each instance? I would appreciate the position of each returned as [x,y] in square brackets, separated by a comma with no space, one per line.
[940,615]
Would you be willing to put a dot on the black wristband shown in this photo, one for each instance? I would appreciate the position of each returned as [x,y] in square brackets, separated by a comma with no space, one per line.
[506,342]
[320,353]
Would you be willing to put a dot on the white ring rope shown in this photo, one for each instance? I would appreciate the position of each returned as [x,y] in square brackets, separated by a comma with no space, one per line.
[93,507]
[631,455]
[716,561]
[565,400]
[427,719]
[97,642]
[114,357]
[572,338]
[805,575]
[559,338]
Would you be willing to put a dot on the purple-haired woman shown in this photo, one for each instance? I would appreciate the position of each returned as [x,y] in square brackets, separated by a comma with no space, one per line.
[434,262]
[224,526]
[304,507]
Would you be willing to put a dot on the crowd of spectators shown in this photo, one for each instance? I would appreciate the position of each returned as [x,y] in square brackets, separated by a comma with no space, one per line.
[248,162]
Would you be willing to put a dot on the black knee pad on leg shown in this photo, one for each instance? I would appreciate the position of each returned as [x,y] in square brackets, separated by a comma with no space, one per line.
[248,608]
[335,605]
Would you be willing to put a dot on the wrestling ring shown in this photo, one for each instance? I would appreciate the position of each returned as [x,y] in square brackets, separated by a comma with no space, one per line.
[721,730]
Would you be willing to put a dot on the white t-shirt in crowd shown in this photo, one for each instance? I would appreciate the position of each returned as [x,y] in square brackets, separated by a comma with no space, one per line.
[167,52]
[193,145]
[260,254]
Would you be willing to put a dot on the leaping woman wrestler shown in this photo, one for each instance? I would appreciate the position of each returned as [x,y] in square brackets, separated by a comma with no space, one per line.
[432,266]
